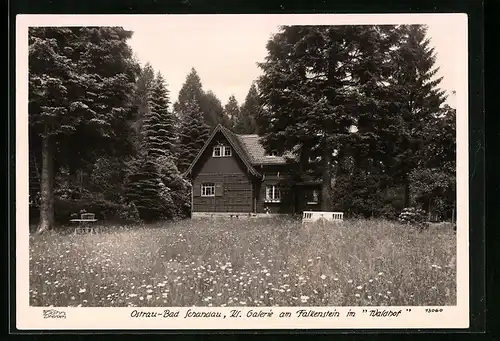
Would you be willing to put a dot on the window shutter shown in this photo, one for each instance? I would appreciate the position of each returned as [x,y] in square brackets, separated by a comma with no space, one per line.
[197,190]
[219,189]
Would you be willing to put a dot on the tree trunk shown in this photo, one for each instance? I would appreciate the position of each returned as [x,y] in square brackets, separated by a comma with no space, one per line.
[430,208]
[46,187]
[327,178]
[407,191]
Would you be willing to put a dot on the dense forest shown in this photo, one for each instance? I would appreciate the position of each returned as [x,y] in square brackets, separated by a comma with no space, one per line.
[360,105]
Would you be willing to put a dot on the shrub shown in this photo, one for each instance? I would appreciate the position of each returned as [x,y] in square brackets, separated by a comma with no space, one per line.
[129,214]
[412,216]
[389,212]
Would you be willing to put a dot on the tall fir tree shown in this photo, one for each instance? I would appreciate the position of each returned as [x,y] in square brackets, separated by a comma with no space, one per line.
[191,91]
[246,121]
[232,111]
[433,182]
[415,99]
[193,135]
[209,104]
[141,103]
[159,126]
[80,86]
[212,110]
[308,92]
[146,190]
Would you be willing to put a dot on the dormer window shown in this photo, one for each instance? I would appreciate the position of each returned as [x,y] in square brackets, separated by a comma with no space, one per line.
[273,153]
[217,151]
[220,151]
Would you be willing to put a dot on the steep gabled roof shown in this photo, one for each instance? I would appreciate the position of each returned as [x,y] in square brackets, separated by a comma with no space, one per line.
[235,144]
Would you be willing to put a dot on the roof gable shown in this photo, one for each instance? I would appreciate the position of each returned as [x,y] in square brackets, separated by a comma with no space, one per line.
[235,144]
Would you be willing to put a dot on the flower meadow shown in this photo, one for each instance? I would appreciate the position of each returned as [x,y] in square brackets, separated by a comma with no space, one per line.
[258,262]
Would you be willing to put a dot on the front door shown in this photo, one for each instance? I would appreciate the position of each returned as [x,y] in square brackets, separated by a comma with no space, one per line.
[308,198]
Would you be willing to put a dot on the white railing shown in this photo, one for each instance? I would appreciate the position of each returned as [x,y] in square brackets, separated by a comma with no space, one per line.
[312,216]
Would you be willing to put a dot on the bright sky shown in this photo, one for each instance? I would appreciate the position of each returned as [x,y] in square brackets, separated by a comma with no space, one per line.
[225,49]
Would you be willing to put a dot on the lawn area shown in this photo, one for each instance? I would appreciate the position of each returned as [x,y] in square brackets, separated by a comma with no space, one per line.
[246,263]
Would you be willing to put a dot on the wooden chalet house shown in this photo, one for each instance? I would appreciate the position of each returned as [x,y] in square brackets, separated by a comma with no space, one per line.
[233,176]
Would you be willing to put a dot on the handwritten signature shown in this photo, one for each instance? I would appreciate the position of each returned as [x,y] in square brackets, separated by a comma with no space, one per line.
[53,313]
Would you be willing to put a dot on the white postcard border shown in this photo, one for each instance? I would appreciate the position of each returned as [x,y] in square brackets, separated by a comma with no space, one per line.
[28,318]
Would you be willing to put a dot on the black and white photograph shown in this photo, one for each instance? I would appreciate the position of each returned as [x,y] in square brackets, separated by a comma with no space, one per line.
[220,169]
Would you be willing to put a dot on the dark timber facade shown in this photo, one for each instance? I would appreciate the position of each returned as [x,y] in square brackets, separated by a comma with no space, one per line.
[232,175]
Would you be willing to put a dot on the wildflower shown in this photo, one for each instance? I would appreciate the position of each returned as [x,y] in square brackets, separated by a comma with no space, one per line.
[349,281]
[359,287]
[322,277]
[380,273]
[81,291]
[357,295]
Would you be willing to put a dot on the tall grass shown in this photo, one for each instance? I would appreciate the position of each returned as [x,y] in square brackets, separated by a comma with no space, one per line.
[246,263]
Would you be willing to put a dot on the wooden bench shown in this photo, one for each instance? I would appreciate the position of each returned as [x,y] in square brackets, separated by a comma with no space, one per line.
[313,216]
[85,224]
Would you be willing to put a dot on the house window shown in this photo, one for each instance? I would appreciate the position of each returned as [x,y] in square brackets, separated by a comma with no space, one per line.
[220,151]
[273,153]
[217,151]
[313,196]
[208,189]
[273,194]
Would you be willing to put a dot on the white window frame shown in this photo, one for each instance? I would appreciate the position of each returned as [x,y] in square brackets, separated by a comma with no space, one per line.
[221,151]
[208,189]
[275,194]
[219,148]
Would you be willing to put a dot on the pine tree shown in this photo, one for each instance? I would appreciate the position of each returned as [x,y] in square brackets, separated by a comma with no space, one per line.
[232,111]
[178,187]
[433,182]
[191,91]
[415,100]
[193,135]
[159,126]
[310,93]
[246,121]
[145,189]
[209,104]
[141,102]
[80,86]
[212,110]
